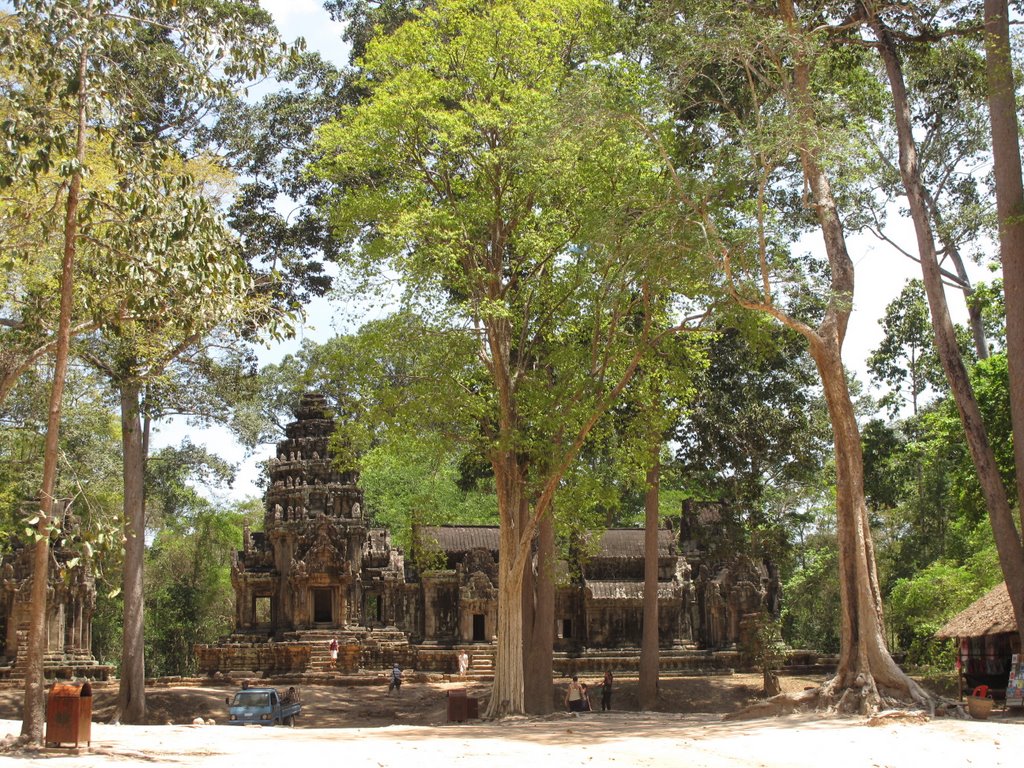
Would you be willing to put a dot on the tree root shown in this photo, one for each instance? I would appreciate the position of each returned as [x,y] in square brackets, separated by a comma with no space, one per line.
[783,704]
[863,698]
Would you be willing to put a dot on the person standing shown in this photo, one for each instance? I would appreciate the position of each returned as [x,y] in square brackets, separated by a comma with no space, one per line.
[606,692]
[334,651]
[574,695]
[463,663]
[396,680]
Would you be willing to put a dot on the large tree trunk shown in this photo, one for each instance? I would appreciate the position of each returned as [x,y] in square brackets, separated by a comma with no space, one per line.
[1002,107]
[131,695]
[975,320]
[866,668]
[507,695]
[647,688]
[1008,542]
[540,651]
[32,714]
[528,602]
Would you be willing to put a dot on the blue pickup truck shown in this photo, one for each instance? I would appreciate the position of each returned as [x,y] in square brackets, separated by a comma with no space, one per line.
[263,706]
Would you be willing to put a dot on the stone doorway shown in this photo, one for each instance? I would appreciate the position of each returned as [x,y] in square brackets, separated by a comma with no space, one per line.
[261,611]
[323,612]
[374,609]
[479,626]
[564,629]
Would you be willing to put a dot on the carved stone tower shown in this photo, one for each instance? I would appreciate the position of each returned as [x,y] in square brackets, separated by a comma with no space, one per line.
[305,570]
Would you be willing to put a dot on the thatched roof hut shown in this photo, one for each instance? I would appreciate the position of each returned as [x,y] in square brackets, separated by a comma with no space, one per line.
[991,614]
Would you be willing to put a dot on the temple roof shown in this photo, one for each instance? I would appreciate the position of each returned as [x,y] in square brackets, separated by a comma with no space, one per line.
[460,538]
[624,543]
[629,543]
[626,590]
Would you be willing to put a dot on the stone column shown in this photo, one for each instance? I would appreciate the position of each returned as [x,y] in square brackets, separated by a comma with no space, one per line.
[429,615]
[76,629]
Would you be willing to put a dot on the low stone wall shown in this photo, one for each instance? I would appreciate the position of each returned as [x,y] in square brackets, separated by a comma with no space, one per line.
[268,658]
[294,658]
[674,662]
[442,660]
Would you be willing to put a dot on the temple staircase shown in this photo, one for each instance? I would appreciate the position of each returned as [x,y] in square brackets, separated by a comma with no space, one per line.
[359,649]
[481,661]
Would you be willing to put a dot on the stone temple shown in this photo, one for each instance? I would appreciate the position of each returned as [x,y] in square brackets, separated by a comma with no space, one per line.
[320,570]
[70,602]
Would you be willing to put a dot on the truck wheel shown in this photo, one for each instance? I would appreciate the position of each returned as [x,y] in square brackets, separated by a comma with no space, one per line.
[290,721]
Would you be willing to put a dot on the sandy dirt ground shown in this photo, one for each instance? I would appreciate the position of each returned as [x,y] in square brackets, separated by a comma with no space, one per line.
[359,725]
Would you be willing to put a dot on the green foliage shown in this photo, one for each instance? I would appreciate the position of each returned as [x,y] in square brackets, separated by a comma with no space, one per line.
[811,606]
[416,483]
[756,433]
[268,146]
[188,597]
[920,605]
[147,223]
[921,482]
[107,621]
[765,648]
[90,470]
[906,361]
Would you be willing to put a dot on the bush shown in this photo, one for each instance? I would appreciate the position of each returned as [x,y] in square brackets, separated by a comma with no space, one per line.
[919,606]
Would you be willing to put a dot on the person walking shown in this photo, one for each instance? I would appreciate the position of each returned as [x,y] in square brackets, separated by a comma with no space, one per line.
[606,692]
[396,680]
[574,695]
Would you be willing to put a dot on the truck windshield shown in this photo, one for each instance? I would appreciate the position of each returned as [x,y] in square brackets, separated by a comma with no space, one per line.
[251,699]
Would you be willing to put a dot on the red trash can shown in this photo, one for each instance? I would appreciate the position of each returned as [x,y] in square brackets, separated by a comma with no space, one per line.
[457,705]
[69,714]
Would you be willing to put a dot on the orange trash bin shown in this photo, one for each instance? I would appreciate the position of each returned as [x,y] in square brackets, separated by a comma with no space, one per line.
[69,714]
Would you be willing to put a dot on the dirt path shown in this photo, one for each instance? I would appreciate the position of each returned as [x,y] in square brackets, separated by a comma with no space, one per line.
[623,739]
[364,702]
[351,726]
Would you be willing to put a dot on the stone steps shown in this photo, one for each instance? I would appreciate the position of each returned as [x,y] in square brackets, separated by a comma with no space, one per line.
[482,662]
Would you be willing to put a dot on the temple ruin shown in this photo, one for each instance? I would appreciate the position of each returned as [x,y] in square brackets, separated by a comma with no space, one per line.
[320,570]
[70,602]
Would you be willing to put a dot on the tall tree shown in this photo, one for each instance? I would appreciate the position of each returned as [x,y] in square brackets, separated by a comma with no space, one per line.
[1008,539]
[25,39]
[945,78]
[88,79]
[905,359]
[460,172]
[761,89]
[1002,100]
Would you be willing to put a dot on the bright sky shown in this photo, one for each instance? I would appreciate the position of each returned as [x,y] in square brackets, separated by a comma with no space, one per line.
[881,271]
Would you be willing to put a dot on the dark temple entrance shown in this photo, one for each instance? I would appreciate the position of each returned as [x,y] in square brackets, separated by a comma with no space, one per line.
[322,613]
[479,636]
